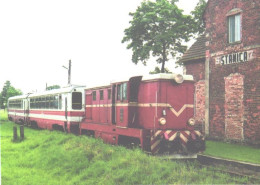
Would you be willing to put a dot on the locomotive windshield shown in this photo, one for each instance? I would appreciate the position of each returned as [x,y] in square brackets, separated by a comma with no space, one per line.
[76,100]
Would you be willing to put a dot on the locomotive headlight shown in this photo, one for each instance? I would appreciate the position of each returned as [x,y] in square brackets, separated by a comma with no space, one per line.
[162,121]
[191,121]
[178,78]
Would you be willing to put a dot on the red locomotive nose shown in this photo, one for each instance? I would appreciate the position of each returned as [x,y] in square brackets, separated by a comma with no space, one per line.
[193,136]
[166,136]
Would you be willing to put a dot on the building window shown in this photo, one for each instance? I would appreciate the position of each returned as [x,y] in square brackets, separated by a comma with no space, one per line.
[234,28]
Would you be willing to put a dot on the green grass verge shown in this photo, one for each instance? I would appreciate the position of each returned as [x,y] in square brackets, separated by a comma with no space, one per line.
[50,157]
[233,151]
[3,115]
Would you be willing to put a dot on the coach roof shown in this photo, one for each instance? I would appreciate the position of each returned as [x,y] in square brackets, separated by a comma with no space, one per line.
[45,93]
[57,91]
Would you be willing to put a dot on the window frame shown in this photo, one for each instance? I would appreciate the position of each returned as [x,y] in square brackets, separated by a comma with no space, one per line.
[101,94]
[234,30]
[94,95]
[122,91]
[75,104]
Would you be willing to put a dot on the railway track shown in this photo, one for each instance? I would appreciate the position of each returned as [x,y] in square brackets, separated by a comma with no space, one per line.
[231,167]
[234,168]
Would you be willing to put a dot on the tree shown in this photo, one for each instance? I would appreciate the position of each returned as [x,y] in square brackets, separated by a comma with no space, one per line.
[53,87]
[7,92]
[157,70]
[197,14]
[158,29]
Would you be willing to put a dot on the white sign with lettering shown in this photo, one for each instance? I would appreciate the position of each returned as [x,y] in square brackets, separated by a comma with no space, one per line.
[232,58]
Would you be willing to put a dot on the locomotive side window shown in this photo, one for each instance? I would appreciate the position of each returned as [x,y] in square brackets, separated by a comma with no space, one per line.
[109,94]
[94,95]
[122,91]
[119,94]
[101,94]
[76,100]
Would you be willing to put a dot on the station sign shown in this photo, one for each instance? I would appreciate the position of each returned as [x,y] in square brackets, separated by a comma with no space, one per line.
[232,58]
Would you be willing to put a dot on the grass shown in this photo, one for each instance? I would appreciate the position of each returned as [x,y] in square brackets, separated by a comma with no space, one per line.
[233,151]
[50,157]
[3,115]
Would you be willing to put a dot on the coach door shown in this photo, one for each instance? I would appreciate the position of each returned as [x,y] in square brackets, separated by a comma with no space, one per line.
[26,110]
[66,108]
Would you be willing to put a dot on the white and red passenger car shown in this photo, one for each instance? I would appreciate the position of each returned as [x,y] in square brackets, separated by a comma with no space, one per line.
[54,109]
[155,112]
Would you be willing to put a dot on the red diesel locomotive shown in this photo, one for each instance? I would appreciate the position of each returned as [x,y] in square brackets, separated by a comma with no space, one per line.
[154,112]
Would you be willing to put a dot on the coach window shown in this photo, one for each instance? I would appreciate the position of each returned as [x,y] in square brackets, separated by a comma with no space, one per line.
[37,103]
[20,104]
[76,100]
[43,102]
[60,101]
[31,103]
[47,104]
[56,102]
[51,104]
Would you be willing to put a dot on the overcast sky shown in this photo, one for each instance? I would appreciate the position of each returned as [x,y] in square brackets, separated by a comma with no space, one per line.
[38,37]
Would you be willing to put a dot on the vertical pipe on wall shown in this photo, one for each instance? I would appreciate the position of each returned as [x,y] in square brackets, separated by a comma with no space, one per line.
[207,71]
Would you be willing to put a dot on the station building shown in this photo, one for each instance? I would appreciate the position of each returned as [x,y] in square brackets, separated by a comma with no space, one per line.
[225,63]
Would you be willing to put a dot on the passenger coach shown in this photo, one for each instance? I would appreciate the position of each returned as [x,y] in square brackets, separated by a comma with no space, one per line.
[55,109]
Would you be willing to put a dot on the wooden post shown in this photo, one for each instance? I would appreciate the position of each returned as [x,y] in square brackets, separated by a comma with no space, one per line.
[14,133]
[22,132]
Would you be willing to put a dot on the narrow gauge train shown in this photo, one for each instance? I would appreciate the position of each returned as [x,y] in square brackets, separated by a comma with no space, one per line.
[154,112]
[55,109]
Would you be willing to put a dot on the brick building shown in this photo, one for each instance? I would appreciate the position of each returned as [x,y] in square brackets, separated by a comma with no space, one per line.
[225,62]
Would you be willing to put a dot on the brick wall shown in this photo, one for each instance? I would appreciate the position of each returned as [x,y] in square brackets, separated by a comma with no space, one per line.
[223,112]
[200,104]
[196,68]
[234,108]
